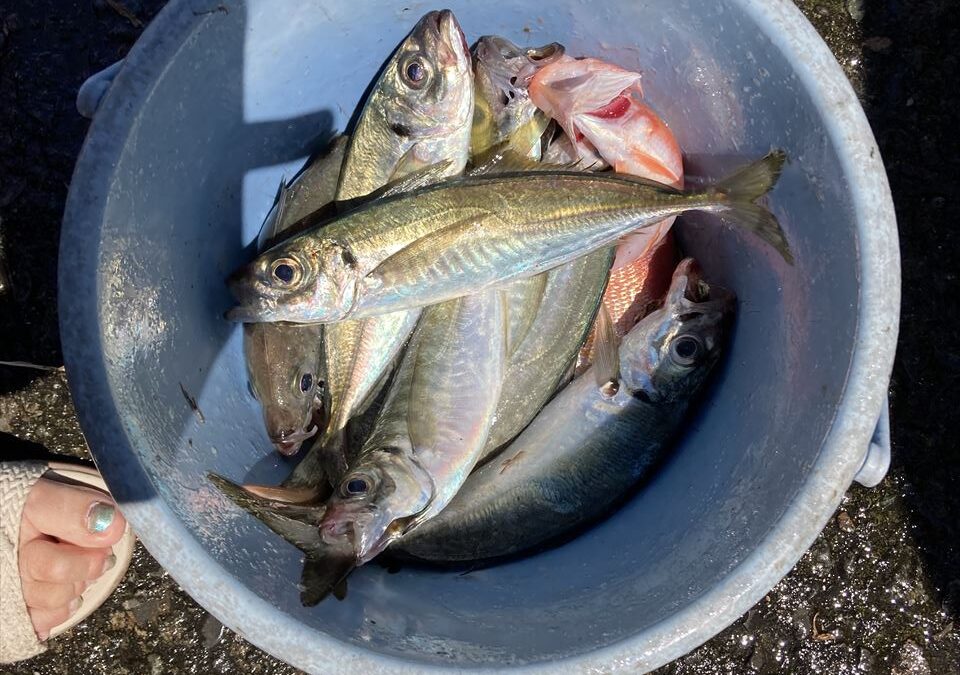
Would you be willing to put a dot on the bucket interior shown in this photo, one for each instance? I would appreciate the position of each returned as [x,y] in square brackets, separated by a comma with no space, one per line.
[252,91]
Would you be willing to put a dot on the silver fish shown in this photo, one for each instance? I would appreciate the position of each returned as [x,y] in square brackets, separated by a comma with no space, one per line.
[503,109]
[357,356]
[588,447]
[284,360]
[407,124]
[463,235]
[428,435]
[539,363]
[420,105]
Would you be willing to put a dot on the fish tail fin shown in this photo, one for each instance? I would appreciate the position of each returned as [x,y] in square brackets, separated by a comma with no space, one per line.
[325,567]
[753,181]
[747,185]
[323,576]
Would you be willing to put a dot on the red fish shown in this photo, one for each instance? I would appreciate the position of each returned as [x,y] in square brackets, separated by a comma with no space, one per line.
[634,290]
[600,108]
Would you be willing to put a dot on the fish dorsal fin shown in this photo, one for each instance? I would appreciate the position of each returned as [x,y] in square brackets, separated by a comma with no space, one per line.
[272,224]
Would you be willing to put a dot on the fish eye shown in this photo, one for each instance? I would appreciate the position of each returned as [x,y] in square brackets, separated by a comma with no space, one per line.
[610,389]
[286,271]
[686,350]
[415,72]
[355,485]
[306,382]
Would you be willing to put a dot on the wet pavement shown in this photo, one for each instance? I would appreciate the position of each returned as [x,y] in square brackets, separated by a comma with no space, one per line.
[879,592]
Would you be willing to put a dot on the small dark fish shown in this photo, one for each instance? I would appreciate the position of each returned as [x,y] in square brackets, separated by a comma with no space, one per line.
[192,402]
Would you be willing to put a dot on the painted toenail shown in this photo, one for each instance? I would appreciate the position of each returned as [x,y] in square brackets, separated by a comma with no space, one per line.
[100,517]
[108,563]
[74,605]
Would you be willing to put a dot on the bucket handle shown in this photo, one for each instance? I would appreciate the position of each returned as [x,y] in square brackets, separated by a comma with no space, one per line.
[94,88]
[877,461]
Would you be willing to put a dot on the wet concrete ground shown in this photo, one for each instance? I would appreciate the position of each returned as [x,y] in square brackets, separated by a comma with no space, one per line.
[879,592]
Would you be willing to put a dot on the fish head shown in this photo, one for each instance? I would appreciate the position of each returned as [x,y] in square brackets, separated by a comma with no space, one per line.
[306,279]
[377,501]
[417,112]
[669,353]
[283,367]
[502,73]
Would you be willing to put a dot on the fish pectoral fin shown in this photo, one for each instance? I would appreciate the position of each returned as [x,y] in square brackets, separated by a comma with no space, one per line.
[606,353]
[429,249]
[423,177]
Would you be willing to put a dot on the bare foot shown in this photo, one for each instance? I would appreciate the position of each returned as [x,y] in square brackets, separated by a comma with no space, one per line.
[65,537]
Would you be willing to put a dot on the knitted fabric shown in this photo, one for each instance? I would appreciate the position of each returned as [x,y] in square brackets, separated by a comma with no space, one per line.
[17,638]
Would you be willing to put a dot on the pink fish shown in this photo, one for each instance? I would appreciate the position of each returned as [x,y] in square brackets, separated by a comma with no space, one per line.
[600,107]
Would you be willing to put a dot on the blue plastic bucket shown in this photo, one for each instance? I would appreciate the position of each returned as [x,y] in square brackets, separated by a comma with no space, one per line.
[180,166]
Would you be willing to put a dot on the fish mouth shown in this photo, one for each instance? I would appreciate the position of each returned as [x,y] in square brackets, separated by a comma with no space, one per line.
[689,294]
[689,273]
[450,32]
[250,308]
[289,445]
[547,52]
[239,281]
[244,314]
[493,48]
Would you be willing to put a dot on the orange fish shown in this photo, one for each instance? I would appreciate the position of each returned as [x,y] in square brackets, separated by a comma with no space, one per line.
[599,106]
